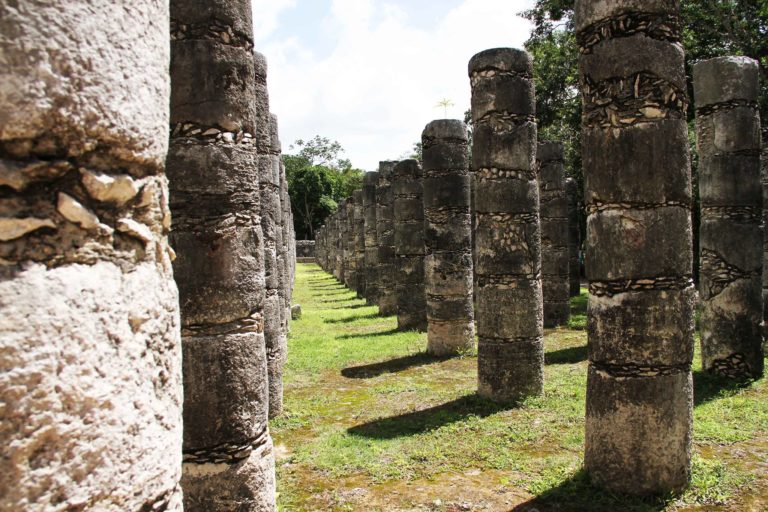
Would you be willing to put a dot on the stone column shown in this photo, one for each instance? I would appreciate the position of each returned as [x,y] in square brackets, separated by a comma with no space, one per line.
[351,255]
[510,353]
[409,246]
[574,237]
[359,230]
[447,238]
[371,244]
[339,243]
[385,237]
[90,373]
[271,216]
[553,207]
[214,179]
[286,253]
[638,251]
[731,233]
[764,179]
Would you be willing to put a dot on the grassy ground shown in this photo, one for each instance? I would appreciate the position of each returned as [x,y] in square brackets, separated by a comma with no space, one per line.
[372,423]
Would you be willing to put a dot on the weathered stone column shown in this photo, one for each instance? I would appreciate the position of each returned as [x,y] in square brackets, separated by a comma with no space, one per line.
[286,258]
[764,179]
[215,199]
[359,231]
[349,253]
[553,207]
[510,352]
[371,244]
[269,176]
[409,246]
[385,237]
[447,238]
[731,235]
[638,252]
[90,372]
[574,237]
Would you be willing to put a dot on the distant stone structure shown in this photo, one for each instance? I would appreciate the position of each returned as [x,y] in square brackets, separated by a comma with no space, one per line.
[305,251]
[90,374]
[213,168]
[554,234]
[371,244]
[385,239]
[359,241]
[639,245]
[447,238]
[574,237]
[764,179]
[409,246]
[731,236]
[510,359]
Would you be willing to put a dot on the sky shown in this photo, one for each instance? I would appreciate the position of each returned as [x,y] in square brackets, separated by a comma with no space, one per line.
[369,73]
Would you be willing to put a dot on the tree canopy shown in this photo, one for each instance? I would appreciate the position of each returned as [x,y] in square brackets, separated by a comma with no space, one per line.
[318,180]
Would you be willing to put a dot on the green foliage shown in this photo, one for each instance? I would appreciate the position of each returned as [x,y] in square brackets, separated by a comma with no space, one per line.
[318,181]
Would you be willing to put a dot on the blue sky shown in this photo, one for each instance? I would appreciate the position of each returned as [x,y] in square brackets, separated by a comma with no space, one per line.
[369,73]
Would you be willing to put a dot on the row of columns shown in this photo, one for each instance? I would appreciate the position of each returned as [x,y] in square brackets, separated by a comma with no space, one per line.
[637,201]
[132,261]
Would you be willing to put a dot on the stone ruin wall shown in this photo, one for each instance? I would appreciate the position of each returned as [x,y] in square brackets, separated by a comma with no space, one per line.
[370,179]
[638,251]
[574,237]
[89,318]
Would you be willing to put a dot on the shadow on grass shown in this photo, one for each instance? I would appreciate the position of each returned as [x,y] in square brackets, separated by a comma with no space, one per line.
[428,419]
[708,387]
[569,355]
[328,286]
[349,319]
[335,301]
[363,335]
[392,366]
[577,494]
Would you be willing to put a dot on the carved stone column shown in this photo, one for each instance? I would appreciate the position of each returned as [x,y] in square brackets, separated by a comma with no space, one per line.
[447,238]
[510,353]
[213,167]
[731,235]
[90,372]
[638,251]
[409,246]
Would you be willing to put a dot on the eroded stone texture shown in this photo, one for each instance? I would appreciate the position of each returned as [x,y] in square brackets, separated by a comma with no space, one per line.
[215,179]
[553,206]
[90,372]
[371,243]
[574,237]
[409,246]
[764,178]
[638,248]
[286,257]
[510,354]
[447,238]
[385,238]
[731,234]
[359,241]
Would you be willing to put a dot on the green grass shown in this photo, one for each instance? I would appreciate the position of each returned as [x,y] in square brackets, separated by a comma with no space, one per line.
[370,419]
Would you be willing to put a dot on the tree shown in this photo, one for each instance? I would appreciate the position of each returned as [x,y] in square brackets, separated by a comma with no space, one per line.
[318,180]
[445,103]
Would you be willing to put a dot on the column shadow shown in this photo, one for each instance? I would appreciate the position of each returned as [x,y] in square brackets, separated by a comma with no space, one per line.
[425,420]
[709,386]
[349,319]
[577,494]
[570,355]
[400,364]
[361,335]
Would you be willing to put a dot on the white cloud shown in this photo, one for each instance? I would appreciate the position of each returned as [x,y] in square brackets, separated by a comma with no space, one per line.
[265,14]
[378,86]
